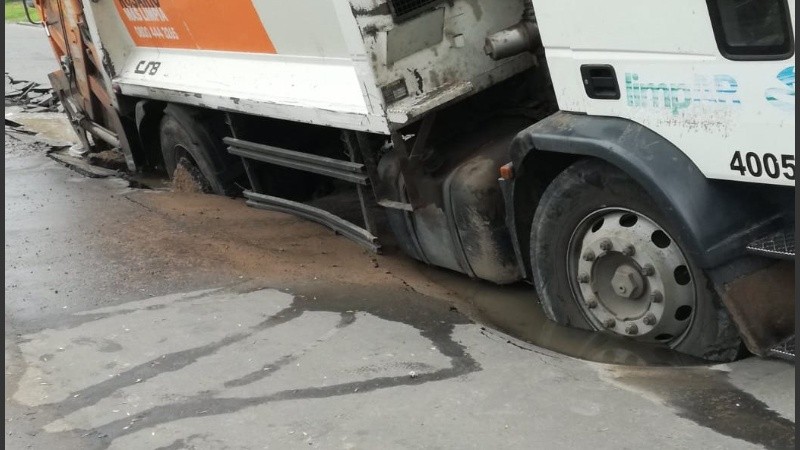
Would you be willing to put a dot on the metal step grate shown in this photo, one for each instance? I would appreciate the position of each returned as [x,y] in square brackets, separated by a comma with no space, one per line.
[778,245]
[784,350]
[405,9]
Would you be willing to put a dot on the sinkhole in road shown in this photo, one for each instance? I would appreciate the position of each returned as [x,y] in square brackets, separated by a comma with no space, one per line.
[513,310]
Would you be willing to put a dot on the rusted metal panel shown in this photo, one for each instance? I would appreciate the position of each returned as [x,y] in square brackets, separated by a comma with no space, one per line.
[762,304]
[82,85]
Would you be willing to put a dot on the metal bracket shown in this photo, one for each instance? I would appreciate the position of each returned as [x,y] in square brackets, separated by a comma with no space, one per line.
[411,160]
[352,171]
[255,183]
[307,162]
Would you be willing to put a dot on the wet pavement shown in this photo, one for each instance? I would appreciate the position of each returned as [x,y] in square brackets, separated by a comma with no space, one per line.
[143,318]
[28,55]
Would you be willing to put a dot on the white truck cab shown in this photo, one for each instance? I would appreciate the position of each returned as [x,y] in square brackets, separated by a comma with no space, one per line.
[715,78]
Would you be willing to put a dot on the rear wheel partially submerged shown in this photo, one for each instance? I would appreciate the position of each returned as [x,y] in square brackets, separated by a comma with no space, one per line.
[187,177]
[194,154]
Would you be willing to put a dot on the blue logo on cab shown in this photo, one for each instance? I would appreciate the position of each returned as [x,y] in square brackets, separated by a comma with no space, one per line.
[783,97]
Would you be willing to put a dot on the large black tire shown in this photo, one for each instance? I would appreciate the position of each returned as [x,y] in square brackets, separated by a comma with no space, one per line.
[187,135]
[583,189]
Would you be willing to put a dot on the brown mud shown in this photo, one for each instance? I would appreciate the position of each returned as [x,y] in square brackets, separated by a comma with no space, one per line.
[218,233]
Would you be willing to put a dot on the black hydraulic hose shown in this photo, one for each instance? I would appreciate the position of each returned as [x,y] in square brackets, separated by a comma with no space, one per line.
[28,13]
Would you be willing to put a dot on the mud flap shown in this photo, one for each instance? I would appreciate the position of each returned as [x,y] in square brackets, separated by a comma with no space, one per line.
[759,295]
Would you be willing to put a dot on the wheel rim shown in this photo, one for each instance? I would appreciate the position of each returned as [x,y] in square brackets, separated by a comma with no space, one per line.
[630,277]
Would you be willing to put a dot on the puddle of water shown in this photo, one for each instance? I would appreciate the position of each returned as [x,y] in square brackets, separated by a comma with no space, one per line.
[147,180]
[515,310]
[699,394]
[53,126]
[693,390]
[708,398]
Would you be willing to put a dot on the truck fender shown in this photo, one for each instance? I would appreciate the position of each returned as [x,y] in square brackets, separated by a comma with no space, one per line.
[714,219]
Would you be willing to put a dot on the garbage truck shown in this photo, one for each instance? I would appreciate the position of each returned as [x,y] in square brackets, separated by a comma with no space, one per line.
[632,160]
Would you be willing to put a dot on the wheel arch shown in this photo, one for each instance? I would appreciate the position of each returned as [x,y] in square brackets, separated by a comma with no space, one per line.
[714,219]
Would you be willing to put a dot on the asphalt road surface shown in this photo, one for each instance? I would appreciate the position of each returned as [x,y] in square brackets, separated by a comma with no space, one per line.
[27,54]
[145,318]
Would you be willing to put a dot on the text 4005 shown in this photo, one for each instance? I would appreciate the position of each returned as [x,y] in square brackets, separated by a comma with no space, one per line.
[767,164]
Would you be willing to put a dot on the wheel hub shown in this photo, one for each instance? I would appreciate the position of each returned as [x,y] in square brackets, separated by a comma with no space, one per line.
[630,277]
[627,282]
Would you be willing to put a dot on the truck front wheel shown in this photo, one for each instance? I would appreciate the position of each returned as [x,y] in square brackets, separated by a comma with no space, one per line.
[603,259]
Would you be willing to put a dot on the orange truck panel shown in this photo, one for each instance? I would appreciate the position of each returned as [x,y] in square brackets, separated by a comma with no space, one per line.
[230,25]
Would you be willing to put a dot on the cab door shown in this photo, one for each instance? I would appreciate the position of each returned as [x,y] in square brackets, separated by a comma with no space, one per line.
[755,38]
[714,77]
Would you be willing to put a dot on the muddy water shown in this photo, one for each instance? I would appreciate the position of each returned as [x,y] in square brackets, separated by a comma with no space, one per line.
[708,398]
[52,126]
[515,310]
[702,394]
[511,309]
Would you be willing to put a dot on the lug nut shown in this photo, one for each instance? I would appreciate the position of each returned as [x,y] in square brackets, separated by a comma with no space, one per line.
[631,328]
[649,319]
[648,270]
[592,304]
[656,297]
[606,245]
[583,278]
[589,256]
[629,250]
[609,323]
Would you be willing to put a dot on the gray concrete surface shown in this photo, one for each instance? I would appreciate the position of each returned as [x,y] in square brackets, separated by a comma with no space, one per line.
[110,343]
[27,53]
